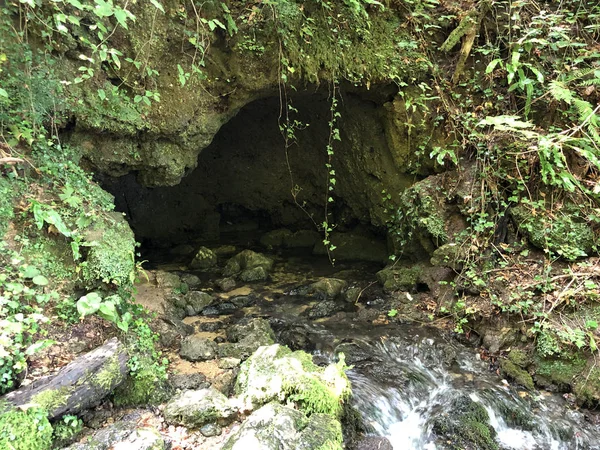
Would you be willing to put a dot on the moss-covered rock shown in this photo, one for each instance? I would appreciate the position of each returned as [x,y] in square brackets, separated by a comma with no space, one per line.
[560,233]
[111,255]
[587,386]
[397,277]
[25,429]
[278,427]
[465,425]
[248,265]
[205,259]
[196,408]
[559,372]
[277,373]
[246,338]
[520,376]
[327,288]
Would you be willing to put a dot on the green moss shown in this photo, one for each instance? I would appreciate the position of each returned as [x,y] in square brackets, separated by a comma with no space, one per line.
[140,389]
[520,376]
[519,357]
[51,399]
[25,430]
[467,426]
[109,376]
[560,371]
[587,387]
[111,258]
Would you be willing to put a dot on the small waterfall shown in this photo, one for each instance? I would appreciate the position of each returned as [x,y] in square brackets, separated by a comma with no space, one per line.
[404,387]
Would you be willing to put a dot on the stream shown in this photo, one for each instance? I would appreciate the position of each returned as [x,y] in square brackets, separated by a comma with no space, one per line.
[415,385]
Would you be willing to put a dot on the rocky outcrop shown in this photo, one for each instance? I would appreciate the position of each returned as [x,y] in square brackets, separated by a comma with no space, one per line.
[278,427]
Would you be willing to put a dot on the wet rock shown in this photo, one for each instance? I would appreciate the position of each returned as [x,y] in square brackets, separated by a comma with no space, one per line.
[296,338]
[395,278]
[374,443]
[211,311]
[352,294]
[187,381]
[276,373]
[246,338]
[256,329]
[211,327]
[191,280]
[167,280]
[226,308]
[196,301]
[243,301]
[197,348]
[194,409]
[355,246]
[498,335]
[244,265]
[170,330]
[514,372]
[225,284]
[210,430]
[254,274]
[229,363]
[205,259]
[325,308]
[466,424]
[278,427]
[327,288]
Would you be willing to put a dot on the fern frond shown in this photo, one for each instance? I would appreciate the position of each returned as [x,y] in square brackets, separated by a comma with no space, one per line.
[584,109]
[560,91]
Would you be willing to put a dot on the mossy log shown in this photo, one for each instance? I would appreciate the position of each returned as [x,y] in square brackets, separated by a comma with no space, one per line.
[81,384]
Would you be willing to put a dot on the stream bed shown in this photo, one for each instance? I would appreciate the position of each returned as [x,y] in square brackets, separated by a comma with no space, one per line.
[415,386]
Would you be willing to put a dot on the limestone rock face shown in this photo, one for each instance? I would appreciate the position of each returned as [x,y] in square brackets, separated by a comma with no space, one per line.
[277,373]
[194,409]
[278,427]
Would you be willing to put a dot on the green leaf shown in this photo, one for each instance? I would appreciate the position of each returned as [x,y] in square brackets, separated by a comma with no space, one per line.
[3,93]
[76,3]
[157,5]
[103,8]
[89,304]
[121,16]
[38,346]
[108,311]
[591,324]
[30,272]
[102,94]
[40,280]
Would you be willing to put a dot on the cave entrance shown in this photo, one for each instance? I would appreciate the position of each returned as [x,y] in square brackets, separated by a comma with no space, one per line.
[242,186]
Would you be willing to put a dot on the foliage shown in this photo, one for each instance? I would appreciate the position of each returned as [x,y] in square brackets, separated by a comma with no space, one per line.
[147,368]
[25,430]
[66,430]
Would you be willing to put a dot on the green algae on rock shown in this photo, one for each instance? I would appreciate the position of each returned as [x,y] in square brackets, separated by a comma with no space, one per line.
[277,373]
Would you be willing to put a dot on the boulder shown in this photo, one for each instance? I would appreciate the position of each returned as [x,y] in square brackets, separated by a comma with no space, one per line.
[225,284]
[167,280]
[327,288]
[197,348]
[248,266]
[191,280]
[395,278]
[246,338]
[205,259]
[325,308]
[193,409]
[276,373]
[278,427]
[196,301]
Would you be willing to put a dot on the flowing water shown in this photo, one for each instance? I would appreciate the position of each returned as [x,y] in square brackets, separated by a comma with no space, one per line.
[417,386]
[407,379]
